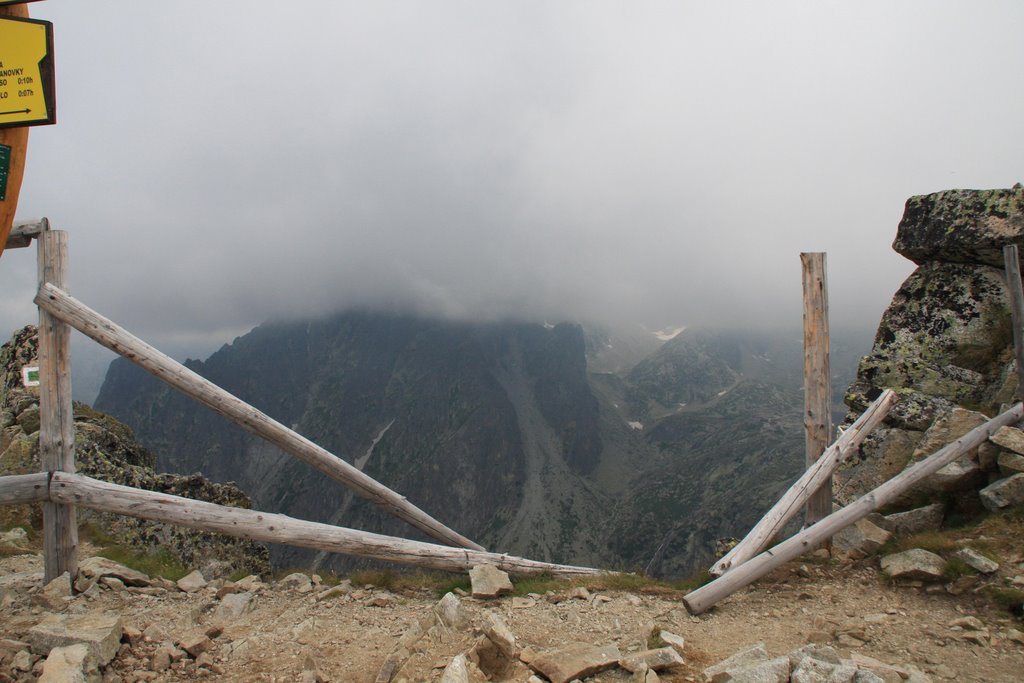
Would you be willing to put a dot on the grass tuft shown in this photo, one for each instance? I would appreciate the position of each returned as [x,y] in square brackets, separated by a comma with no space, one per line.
[161,563]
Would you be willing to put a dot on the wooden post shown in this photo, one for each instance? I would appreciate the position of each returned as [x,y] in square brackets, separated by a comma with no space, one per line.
[274,528]
[117,339]
[810,538]
[16,142]
[790,503]
[56,420]
[1013,282]
[817,378]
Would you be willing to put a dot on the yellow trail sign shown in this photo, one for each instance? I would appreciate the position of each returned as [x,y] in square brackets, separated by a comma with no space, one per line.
[26,72]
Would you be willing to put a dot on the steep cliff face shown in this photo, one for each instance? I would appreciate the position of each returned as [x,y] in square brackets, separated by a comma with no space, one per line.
[107,450]
[946,341]
[457,416]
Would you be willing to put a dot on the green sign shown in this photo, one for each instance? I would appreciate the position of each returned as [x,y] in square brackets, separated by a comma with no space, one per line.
[5,169]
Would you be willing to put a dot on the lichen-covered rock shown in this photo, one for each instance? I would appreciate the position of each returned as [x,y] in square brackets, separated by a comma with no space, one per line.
[106,449]
[944,343]
[945,340]
[965,226]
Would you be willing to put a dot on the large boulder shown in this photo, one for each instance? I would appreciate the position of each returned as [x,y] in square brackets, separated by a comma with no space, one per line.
[944,343]
[965,226]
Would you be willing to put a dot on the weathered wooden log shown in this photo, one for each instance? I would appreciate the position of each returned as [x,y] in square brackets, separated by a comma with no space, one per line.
[811,480]
[21,489]
[109,334]
[56,420]
[1013,282]
[706,596]
[273,528]
[23,232]
[817,378]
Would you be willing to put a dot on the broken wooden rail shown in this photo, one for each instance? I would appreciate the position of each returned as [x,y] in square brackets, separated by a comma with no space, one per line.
[78,490]
[706,596]
[64,307]
[812,479]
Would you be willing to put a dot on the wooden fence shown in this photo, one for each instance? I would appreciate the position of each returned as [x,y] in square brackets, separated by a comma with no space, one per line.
[60,490]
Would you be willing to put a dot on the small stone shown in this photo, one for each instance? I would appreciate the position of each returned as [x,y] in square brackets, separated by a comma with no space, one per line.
[488,581]
[22,661]
[672,640]
[70,664]
[657,660]
[457,670]
[196,645]
[575,661]
[233,606]
[1010,463]
[523,603]
[499,633]
[1010,438]
[113,583]
[1003,493]
[380,601]
[918,520]
[450,612]
[1015,636]
[297,581]
[334,592]
[823,653]
[915,564]
[100,632]
[192,582]
[95,567]
[131,634]
[756,654]
[579,593]
[55,595]
[975,560]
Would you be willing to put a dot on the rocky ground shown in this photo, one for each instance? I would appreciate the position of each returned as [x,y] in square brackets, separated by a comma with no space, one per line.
[298,628]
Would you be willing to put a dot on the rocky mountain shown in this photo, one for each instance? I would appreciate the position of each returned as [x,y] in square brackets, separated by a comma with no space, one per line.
[503,431]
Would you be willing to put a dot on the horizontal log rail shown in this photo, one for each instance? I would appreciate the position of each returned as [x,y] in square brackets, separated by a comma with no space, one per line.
[82,491]
[21,489]
[22,233]
[810,481]
[66,308]
[706,596]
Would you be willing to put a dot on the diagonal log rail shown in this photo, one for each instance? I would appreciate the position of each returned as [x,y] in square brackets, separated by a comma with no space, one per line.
[705,597]
[82,491]
[810,481]
[66,308]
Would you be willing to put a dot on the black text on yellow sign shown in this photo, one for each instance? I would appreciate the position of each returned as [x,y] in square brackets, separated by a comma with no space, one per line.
[26,73]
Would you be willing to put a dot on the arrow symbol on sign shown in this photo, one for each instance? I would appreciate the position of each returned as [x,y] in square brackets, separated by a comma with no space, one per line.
[16,111]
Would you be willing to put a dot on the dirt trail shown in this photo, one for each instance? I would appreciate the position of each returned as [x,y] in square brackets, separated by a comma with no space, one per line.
[348,637]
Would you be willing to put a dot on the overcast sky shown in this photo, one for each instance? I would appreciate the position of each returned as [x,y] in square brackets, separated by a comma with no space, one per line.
[222,163]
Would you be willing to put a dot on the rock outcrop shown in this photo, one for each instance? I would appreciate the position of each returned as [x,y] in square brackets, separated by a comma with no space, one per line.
[106,449]
[945,345]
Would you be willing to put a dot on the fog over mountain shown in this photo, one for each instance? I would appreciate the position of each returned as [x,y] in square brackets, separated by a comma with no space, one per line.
[221,164]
